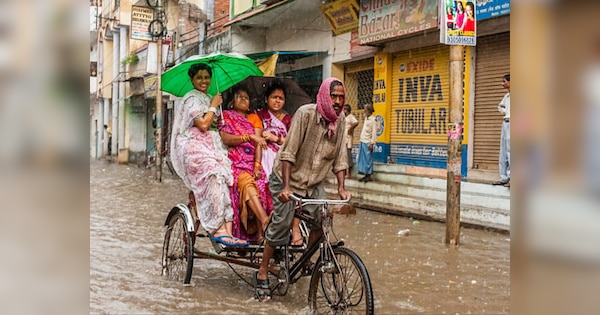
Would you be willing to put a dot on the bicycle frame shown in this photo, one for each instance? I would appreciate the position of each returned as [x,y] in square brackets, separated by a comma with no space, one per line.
[253,260]
[323,239]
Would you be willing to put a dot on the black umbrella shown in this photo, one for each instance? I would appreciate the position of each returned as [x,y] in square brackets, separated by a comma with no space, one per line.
[295,95]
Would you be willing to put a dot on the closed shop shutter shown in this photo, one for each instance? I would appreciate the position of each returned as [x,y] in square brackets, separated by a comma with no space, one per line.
[492,62]
[419,107]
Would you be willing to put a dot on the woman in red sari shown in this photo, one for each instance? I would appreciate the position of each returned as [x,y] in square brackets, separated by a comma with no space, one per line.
[250,195]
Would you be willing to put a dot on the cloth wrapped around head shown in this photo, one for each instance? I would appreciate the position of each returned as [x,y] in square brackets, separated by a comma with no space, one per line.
[325,104]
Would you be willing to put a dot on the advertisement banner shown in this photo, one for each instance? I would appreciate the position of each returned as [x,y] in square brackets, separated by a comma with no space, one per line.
[487,9]
[387,19]
[382,89]
[342,15]
[419,107]
[458,23]
[140,21]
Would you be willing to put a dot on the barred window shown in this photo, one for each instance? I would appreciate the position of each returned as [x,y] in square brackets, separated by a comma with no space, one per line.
[359,88]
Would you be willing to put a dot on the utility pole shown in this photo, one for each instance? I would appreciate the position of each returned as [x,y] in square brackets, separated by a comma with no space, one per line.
[454,146]
[159,113]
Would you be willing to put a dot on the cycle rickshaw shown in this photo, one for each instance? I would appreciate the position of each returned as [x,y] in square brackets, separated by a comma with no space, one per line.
[339,281]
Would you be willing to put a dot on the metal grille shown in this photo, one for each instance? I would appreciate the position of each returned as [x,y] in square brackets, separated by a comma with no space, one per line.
[359,89]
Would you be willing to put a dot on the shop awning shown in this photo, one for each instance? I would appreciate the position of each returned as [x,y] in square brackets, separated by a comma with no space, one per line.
[284,56]
[267,61]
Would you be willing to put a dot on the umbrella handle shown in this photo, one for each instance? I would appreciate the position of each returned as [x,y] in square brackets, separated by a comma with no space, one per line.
[221,106]
[222,119]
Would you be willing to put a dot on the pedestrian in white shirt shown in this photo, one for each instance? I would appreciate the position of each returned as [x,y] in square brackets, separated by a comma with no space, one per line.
[368,136]
[351,123]
[504,160]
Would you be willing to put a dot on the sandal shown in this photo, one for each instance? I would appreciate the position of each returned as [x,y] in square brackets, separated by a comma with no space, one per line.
[227,240]
[262,291]
[297,239]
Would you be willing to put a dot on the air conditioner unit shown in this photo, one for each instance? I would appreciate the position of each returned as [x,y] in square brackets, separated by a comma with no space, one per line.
[269,2]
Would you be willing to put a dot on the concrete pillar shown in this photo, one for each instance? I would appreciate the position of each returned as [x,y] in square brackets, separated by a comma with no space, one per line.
[100,141]
[115,92]
[327,67]
[122,55]
[106,121]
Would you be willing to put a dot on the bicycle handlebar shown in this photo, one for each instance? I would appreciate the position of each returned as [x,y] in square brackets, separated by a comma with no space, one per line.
[318,201]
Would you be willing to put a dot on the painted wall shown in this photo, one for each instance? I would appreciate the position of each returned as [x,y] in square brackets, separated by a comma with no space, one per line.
[341,48]
[105,83]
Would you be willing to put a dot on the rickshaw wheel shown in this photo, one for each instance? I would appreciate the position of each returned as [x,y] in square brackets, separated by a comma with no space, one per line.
[342,286]
[178,250]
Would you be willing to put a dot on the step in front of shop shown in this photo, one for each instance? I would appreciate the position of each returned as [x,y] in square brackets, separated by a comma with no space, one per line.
[481,204]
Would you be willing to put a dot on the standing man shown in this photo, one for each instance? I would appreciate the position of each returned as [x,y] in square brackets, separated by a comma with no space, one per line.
[313,147]
[351,123]
[504,160]
[368,136]
[109,136]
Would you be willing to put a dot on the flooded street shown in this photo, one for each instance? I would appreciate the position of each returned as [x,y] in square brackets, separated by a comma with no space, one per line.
[413,274]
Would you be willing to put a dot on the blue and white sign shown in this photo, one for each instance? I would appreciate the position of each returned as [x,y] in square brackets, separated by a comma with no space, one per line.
[487,9]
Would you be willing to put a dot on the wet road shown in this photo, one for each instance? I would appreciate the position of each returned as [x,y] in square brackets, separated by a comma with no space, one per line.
[414,274]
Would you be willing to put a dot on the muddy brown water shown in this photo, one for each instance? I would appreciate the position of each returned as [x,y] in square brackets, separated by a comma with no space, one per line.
[414,274]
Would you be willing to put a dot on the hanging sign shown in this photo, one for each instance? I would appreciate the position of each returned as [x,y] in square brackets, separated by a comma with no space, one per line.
[141,17]
[458,23]
[342,15]
[487,9]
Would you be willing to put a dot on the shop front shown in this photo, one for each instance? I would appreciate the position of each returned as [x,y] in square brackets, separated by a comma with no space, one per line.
[419,114]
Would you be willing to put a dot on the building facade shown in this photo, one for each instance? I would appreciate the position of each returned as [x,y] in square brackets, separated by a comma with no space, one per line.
[387,53]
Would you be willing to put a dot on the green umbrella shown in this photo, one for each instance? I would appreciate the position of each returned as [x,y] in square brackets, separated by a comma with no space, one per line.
[228,69]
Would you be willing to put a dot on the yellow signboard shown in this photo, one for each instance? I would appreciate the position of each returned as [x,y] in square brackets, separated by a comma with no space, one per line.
[342,15]
[419,107]
[421,95]
[382,88]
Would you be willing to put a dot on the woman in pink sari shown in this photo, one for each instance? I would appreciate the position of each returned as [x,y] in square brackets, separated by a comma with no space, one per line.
[250,194]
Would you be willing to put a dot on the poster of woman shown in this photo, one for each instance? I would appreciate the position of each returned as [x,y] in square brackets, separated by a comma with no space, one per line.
[460,23]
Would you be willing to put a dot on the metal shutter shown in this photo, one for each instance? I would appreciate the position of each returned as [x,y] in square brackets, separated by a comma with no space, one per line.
[492,61]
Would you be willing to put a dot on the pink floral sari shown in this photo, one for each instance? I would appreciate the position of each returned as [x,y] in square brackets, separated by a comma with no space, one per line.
[242,160]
